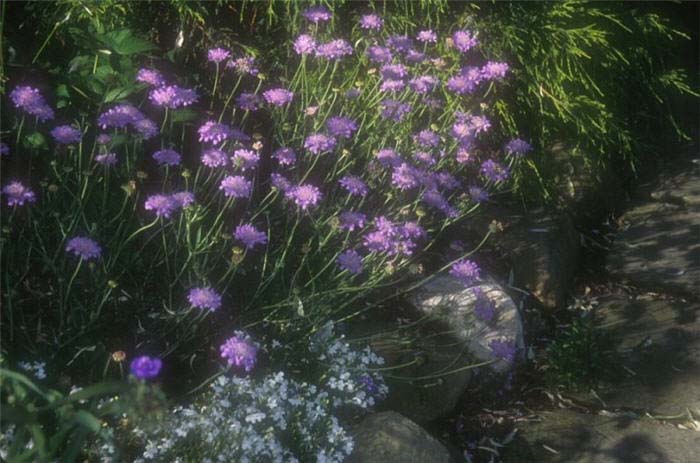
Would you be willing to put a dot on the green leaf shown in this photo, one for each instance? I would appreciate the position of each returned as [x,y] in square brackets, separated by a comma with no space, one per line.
[118,93]
[62,90]
[35,140]
[183,115]
[124,42]
[87,420]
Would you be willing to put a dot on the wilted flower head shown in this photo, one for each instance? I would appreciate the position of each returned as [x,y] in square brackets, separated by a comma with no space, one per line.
[240,351]
[145,367]
[464,41]
[245,159]
[213,132]
[351,261]
[304,44]
[218,55]
[351,220]
[236,186]
[204,298]
[335,49]
[317,14]
[167,157]
[278,96]
[162,205]
[304,196]
[83,247]
[150,77]
[427,36]
[318,143]
[466,271]
[249,235]
[30,100]
[65,134]
[518,147]
[341,127]
[172,96]
[16,194]
[478,194]
[248,101]
[494,171]
[107,159]
[244,65]
[285,156]
[354,185]
[379,54]
[493,70]
[213,157]
[371,21]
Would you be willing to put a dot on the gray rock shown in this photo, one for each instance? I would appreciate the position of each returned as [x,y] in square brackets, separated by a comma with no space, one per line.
[683,189]
[391,438]
[449,301]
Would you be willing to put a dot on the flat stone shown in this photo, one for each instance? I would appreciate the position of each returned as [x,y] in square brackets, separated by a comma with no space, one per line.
[389,437]
[683,188]
[450,302]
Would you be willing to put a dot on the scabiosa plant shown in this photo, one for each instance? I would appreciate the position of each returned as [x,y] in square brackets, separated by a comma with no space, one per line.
[518,147]
[244,65]
[248,101]
[119,116]
[173,97]
[278,96]
[16,194]
[280,182]
[146,128]
[464,41]
[214,157]
[217,55]
[427,36]
[406,177]
[239,350]
[213,132]
[236,186]
[483,306]
[371,21]
[103,139]
[30,100]
[317,14]
[354,185]
[504,349]
[318,143]
[285,156]
[167,157]
[341,127]
[494,171]
[204,298]
[395,110]
[304,196]
[466,271]
[423,84]
[183,199]
[161,205]
[66,135]
[379,54]
[107,159]
[350,220]
[494,70]
[84,247]
[351,261]
[426,138]
[400,43]
[145,367]
[388,157]
[478,194]
[335,49]
[150,77]
[304,44]
[249,235]
[245,159]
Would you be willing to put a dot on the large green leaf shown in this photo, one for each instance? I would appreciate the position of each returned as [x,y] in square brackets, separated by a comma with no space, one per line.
[124,42]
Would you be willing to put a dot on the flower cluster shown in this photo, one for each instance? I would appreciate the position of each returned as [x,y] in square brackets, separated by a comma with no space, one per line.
[165,205]
[31,101]
[124,115]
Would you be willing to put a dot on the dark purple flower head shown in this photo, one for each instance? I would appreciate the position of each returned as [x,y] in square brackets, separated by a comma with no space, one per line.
[379,54]
[393,239]
[204,298]
[217,55]
[494,171]
[172,96]
[317,14]
[245,159]
[145,367]
[150,77]
[466,271]
[335,49]
[66,135]
[447,180]
[119,116]
[214,158]
[426,138]
[84,247]
[213,132]
[285,156]
[351,261]
[464,41]
[388,157]
[239,350]
[427,36]
[248,101]
[518,147]
[280,182]
[371,21]
[484,308]
[304,44]
[478,194]
[249,235]
[304,196]
[406,177]
[31,101]
[162,205]
[351,220]
[424,157]
[236,186]
[4,149]
[16,194]
[395,110]
[393,71]
[167,157]
[147,128]
[183,199]
[504,349]
[107,159]
[278,96]
[415,56]
[401,43]
[341,127]
[493,70]
[103,139]
[318,143]
[423,84]
[354,185]
[244,65]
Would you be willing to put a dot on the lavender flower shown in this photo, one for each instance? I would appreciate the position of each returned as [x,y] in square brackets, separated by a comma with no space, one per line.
[162,205]
[466,271]
[388,157]
[318,143]
[503,349]
[351,261]
[167,157]
[248,101]
[426,138]
[280,182]
[354,185]
[240,351]
[400,43]
[478,195]
[341,127]
[150,77]
[119,116]
[16,194]
[351,220]
[371,22]
[147,128]
[172,96]
[31,101]
[392,86]
[406,177]
[423,84]
[278,96]
[213,132]
[483,306]
[244,65]
[494,70]
[304,44]
[107,159]
[395,110]
[494,171]
[217,55]
[145,367]
[518,147]
[66,135]
[317,14]
[204,298]
[214,158]
[427,36]
[379,54]
[335,49]
[285,156]
[83,247]
[424,158]
[4,149]
[103,139]
[464,41]
[393,71]
[236,186]
[246,159]
[304,196]
[414,56]
[249,235]
[183,199]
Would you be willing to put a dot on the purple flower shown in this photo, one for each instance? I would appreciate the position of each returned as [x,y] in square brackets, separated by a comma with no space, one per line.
[518,147]
[479,124]
[214,158]
[17,194]
[464,41]
[435,199]
[4,149]
[483,306]
[494,171]
[280,182]
[401,43]
[239,135]
[304,44]
[466,271]
[415,56]
[351,261]
[248,101]
[183,199]
[393,239]
[341,127]
[494,70]
[371,21]
[350,220]
[167,157]
[145,367]
[352,93]
[103,139]
[162,205]
[426,138]
[83,247]
[317,14]
[107,159]
[249,235]
[393,71]
[244,65]
[391,85]
[447,180]
[423,84]
[395,110]
[172,96]
[150,77]
[463,83]
[304,196]
[335,49]
[119,116]
[245,159]
[427,36]
[65,134]
[424,157]
[236,186]
[30,100]
[463,132]
[204,298]
[147,128]
[354,185]
[217,55]
[278,96]
[240,351]
[213,132]
[464,154]
[318,143]
[406,177]
[379,54]
[503,349]
[285,156]
[478,195]
[388,157]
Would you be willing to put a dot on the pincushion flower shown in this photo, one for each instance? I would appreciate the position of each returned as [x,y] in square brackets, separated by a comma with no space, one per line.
[304,44]
[414,56]
[278,96]
[379,54]
[388,157]
[479,124]
[103,139]
[317,14]
[183,199]
[371,22]
[249,235]
[354,185]
[236,186]
[16,194]
[483,306]
[4,149]
[304,196]
[145,367]
[318,143]
[391,85]
[427,36]
[463,83]
[162,205]
[424,158]
[107,159]
[478,194]
[395,110]
[493,70]
[204,298]
[213,132]
[406,177]
[464,41]
[240,351]
[285,156]
[66,135]
[518,147]
[30,100]
[84,247]
[147,128]
[426,138]
[217,55]
[504,349]
[172,96]
[244,65]
[214,158]
[350,220]
[423,84]
[167,157]
[351,261]
[466,271]
[245,159]
[280,182]
[494,171]
[150,77]
[392,239]
[335,49]
[393,71]
[401,43]
[341,127]
[119,116]
[248,101]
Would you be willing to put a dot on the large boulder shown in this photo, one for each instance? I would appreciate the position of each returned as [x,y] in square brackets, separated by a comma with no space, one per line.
[389,437]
